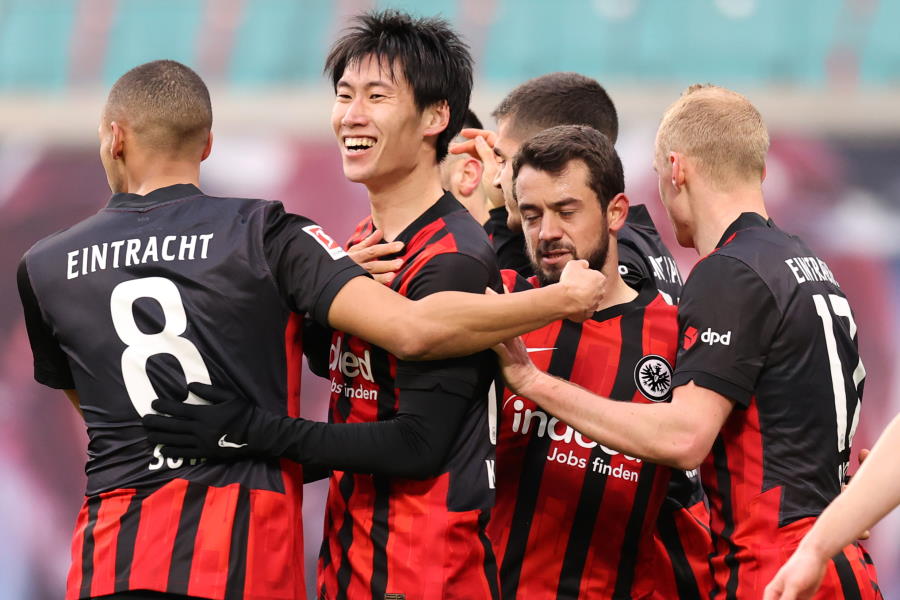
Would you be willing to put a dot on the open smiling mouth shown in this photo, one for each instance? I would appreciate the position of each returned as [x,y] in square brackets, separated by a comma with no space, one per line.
[355,145]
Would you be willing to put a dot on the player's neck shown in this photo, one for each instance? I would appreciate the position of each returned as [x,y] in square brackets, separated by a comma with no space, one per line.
[146,178]
[617,291]
[718,210]
[397,203]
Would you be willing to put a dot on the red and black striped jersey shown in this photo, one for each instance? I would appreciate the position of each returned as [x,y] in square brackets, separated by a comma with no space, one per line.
[764,322]
[389,537]
[151,293]
[684,543]
[574,519]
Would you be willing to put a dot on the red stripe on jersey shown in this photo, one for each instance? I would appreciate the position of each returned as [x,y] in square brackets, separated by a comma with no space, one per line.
[155,537]
[73,582]
[683,542]
[363,230]
[209,567]
[737,530]
[421,258]
[106,533]
[274,560]
[293,352]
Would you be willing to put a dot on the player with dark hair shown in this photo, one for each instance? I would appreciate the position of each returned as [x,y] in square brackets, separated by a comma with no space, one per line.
[768,379]
[575,519]
[547,101]
[166,286]
[408,443]
[572,99]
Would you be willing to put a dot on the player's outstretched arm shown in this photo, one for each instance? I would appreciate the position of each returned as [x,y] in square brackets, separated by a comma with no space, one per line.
[449,324]
[872,493]
[678,433]
[412,444]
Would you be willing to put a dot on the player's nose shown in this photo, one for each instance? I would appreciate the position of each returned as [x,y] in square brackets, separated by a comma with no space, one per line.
[355,114]
[550,229]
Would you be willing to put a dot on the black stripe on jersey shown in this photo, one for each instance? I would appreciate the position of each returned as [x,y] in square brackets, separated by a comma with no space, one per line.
[631,328]
[628,557]
[490,561]
[185,538]
[849,586]
[128,528]
[379,535]
[238,553]
[408,260]
[522,285]
[387,403]
[535,454]
[345,535]
[685,581]
[87,547]
[723,481]
[582,530]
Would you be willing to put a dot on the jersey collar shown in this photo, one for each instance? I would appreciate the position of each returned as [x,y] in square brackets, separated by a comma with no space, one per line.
[747,220]
[158,196]
[445,205]
[646,293]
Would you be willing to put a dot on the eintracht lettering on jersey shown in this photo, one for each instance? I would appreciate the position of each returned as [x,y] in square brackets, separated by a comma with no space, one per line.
[136,251]
[810,268]
[526,421]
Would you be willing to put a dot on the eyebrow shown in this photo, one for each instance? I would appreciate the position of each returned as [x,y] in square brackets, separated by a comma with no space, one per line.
[367,85]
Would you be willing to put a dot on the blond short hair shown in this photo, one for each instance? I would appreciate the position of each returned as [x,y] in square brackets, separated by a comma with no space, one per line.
[718,128]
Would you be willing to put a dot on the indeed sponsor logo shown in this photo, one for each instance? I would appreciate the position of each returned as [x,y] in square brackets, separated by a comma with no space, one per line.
[712,337]
[540,424]
[348,363]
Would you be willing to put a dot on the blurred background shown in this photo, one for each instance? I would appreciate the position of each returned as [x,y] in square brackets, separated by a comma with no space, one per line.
[824,73]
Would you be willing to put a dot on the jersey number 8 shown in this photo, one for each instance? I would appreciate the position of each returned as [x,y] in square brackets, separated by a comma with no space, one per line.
[141,346]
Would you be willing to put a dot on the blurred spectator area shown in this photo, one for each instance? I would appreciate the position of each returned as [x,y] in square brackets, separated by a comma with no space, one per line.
[51,45]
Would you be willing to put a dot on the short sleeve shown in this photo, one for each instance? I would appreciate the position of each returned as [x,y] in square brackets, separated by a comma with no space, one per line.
[727,319]
[632,265]
[51,365]
[459,376]
[309,267]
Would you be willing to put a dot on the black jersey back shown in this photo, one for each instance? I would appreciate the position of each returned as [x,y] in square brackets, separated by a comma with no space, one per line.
[149,294]
[643,255]
[764,322]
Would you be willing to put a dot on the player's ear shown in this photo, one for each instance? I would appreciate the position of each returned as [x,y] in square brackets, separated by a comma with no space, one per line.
[616,212]
[763,178]
[117,146]
[677,162]
[436,118]
[470,176]
[208,148]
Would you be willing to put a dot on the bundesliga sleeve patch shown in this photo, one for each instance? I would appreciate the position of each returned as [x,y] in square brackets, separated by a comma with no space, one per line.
[333,249]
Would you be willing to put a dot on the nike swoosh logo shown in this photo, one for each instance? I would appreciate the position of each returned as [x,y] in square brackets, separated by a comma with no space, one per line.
[530,350]
[225,444]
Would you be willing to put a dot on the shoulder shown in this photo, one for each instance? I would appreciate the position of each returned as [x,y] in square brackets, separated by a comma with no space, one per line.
[464,235]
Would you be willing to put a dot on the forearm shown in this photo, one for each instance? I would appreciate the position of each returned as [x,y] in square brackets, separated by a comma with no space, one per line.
[872,493]
[412,444]
[456,324]
[652,432]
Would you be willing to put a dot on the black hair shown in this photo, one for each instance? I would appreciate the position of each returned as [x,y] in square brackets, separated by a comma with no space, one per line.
[553,149]
[559,99]
[472,121]
[435,61]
